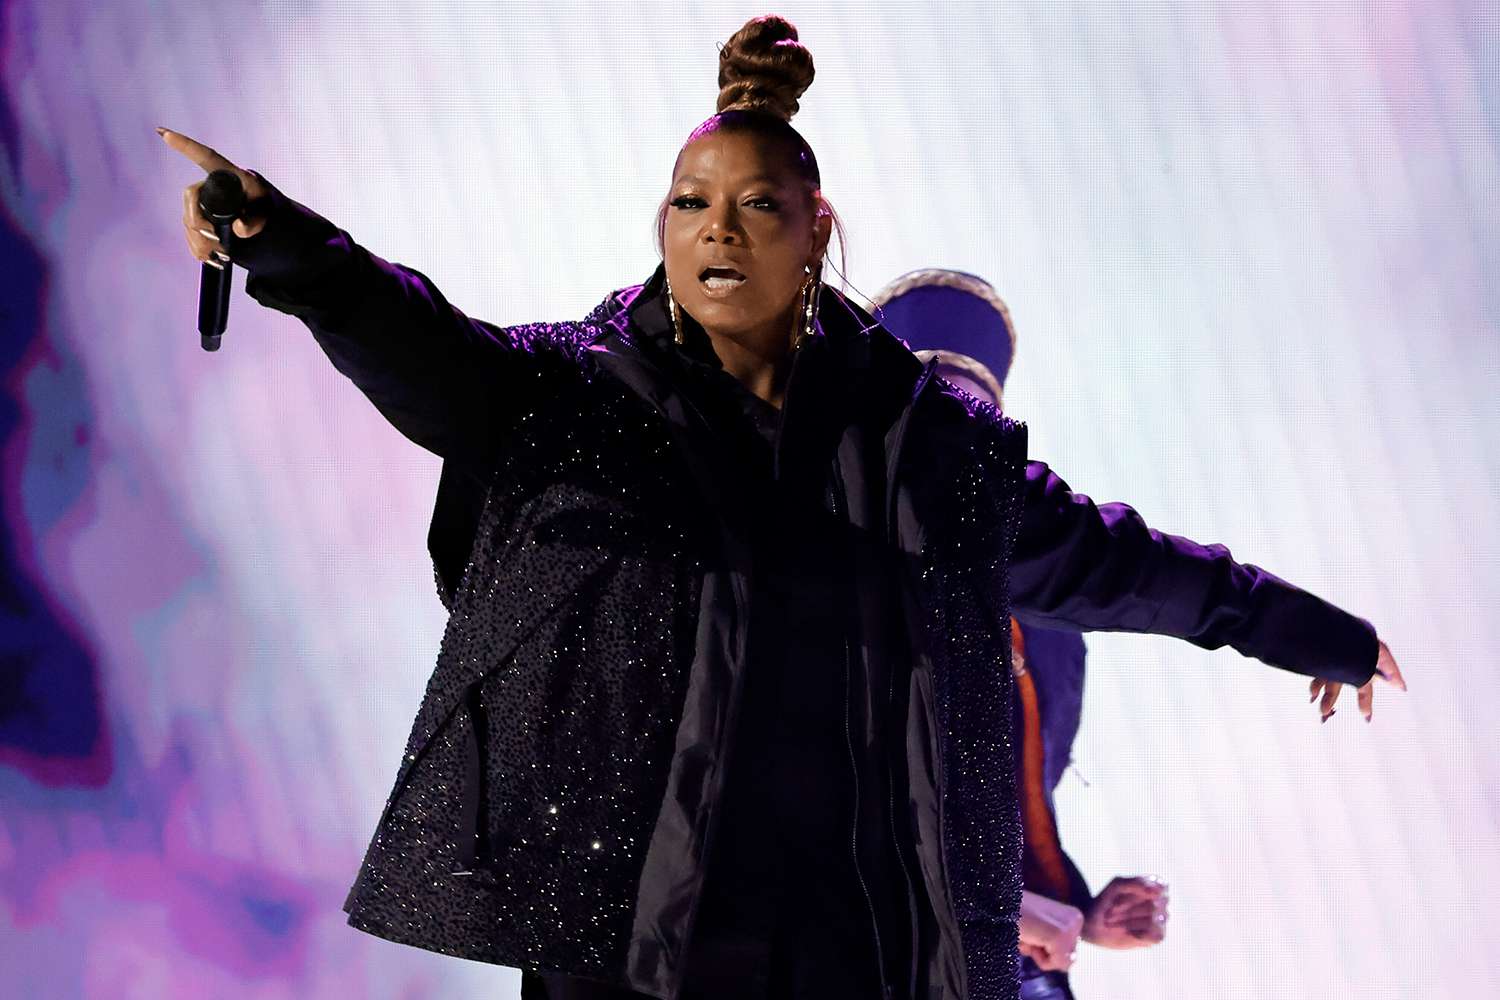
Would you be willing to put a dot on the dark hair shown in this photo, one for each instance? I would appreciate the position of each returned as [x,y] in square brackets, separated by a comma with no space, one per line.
[763,70]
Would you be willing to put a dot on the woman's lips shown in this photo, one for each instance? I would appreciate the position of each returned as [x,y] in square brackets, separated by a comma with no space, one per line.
[719,281]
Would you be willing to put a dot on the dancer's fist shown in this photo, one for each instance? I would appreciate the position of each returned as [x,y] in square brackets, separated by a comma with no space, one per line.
[1129,913]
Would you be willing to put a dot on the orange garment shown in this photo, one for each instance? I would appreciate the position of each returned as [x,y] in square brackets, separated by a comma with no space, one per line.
[1042,866]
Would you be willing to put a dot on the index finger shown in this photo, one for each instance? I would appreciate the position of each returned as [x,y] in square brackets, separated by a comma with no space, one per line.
[205,157]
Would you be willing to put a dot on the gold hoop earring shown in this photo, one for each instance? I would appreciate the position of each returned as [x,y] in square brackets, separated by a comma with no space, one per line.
[805,324]
[676,315]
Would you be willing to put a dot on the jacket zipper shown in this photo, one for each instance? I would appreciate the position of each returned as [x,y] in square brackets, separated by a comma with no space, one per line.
[835,503]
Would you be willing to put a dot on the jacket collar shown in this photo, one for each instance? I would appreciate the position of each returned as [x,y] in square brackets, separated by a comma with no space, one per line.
[636,317]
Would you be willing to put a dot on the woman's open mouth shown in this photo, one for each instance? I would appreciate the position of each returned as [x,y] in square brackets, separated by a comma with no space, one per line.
[720,280]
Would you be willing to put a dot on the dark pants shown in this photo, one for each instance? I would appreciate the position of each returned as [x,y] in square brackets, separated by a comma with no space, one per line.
[545,986]
[723,972]
[1040,986]
[800,961]
[548,986]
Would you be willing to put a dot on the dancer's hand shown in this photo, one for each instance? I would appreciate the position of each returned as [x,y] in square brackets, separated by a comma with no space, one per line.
[1049,931]
[200,232]
[1129,913]
[1385,669]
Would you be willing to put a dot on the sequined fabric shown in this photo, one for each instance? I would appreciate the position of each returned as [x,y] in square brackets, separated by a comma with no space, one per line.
[552,707]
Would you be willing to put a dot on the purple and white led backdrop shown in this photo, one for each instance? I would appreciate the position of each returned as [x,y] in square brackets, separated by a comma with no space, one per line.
[1251,253]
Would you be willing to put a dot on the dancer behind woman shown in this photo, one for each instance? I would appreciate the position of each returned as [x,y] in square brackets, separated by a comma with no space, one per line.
[959,322]
[722,707]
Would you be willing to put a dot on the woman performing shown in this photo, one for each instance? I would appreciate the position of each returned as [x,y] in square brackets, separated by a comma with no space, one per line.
[722,708]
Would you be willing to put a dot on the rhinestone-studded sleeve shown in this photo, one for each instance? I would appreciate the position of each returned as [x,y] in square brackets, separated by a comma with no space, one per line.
[436,374]
[974,485]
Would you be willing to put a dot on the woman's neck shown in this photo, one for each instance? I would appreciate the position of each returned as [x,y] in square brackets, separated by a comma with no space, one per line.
[761,361]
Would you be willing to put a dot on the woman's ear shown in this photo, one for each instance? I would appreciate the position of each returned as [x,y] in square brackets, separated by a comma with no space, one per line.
[822,228]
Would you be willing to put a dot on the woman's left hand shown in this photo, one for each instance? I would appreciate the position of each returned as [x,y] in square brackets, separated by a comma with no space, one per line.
[1385,668]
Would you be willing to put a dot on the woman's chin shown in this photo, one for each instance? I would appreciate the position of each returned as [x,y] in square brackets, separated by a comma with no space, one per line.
[721,317]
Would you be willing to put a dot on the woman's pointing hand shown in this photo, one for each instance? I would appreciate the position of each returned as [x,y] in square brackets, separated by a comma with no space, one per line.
[200,232]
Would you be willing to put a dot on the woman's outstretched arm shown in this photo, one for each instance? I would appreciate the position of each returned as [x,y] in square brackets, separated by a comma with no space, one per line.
[434,373]
[1089,567]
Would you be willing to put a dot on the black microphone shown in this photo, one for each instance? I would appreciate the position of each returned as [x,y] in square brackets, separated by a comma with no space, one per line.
[221,199]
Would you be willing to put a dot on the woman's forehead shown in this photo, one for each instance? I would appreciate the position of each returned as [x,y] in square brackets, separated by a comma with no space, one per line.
[734,158]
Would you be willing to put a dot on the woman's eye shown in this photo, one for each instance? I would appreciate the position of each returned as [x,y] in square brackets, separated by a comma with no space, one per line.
[688,201]
[766,204]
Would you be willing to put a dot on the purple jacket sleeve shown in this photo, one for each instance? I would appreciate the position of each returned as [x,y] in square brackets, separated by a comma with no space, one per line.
[1101,568]
[429,369]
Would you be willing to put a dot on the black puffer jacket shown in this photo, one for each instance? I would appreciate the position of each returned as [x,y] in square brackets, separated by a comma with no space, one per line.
[558,791]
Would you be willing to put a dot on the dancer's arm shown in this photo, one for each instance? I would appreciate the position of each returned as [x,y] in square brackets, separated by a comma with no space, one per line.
[432,371]
[1078,886]
[1089,567]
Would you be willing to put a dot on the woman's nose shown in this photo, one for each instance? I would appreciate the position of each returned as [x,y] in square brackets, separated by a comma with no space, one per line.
[723,227]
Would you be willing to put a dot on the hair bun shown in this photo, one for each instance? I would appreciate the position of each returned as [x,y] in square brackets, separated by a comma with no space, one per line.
[764,68]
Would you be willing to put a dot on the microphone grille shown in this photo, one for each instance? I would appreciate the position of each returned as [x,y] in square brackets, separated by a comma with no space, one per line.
[222,195]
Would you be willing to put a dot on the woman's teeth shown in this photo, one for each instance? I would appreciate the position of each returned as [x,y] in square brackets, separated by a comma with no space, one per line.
[721,283]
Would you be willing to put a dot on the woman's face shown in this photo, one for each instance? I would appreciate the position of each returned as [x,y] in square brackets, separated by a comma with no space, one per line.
[741,228]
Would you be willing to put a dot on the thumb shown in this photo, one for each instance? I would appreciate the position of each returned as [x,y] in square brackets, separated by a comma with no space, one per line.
[246,228]
[1385,665]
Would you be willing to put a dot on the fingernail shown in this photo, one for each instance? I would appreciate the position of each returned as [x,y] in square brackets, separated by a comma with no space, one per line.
[161,131]
[210,234]
[222,255]
[1330,714]
[214,263]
